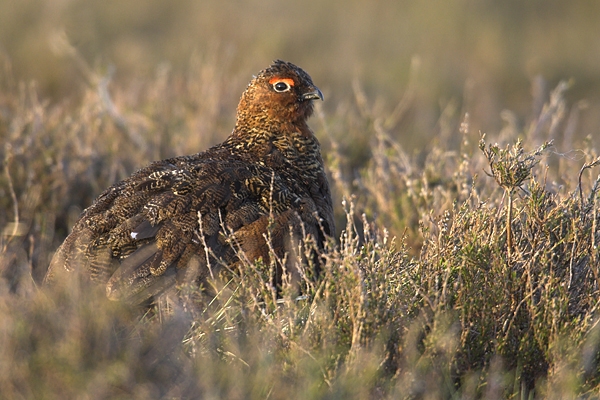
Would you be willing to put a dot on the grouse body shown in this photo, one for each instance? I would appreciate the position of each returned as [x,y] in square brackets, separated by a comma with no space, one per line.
[266,180]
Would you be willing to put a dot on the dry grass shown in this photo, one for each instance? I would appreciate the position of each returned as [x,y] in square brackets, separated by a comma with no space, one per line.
[444,282]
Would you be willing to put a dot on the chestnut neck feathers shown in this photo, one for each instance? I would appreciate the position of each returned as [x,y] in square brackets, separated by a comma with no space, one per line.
[278,101]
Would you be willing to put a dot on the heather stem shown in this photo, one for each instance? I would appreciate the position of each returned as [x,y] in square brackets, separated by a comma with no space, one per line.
[509,238]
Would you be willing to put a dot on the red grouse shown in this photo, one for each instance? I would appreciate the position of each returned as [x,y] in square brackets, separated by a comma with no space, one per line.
[266,180]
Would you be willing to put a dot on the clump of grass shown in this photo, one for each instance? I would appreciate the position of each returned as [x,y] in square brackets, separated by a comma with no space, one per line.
[432,289]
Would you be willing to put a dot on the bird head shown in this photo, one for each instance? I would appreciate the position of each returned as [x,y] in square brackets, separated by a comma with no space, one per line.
[281,93]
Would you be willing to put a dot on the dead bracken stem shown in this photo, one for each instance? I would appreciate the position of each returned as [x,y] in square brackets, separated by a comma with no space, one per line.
[596,268]
[509,237]
[205,246]
[591,164]
[11,189]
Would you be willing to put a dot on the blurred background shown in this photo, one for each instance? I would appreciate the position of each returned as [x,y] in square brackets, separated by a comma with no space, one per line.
[480,56]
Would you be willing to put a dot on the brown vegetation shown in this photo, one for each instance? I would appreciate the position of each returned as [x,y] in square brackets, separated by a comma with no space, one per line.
[467,269]
[436,287]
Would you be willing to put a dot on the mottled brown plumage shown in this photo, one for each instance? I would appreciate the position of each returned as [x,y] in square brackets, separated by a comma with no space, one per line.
[143,233]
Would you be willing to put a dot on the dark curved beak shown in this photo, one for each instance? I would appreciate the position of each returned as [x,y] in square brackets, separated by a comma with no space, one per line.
[314,95]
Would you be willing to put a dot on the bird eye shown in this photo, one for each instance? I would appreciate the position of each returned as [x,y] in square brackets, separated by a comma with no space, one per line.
[281,86]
